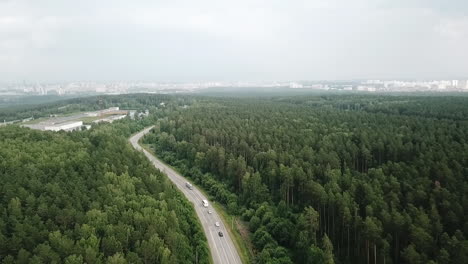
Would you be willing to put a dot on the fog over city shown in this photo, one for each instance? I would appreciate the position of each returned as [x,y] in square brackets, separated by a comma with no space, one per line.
[245,40]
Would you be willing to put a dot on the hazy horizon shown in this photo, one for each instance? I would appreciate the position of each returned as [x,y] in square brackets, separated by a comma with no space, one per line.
[186,41]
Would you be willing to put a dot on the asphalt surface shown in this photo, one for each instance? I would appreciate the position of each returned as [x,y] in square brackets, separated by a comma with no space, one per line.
[222,249]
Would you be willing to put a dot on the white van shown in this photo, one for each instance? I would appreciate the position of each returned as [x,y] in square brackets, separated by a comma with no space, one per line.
[205,203]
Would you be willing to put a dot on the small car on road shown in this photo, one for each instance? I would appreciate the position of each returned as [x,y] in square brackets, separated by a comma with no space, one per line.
[217,224]
[220,234]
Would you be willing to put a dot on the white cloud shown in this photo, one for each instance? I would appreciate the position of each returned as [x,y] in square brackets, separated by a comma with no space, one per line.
[454,28]
[215,39]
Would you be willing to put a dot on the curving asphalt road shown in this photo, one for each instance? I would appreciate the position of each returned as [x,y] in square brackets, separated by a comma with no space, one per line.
[222,249]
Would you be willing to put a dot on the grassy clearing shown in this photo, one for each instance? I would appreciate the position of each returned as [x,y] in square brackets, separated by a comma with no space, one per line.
[71,114]
[41,119]
[89,119]
[35,121]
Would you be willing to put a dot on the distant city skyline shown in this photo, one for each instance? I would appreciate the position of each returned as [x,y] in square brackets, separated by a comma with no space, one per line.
[124,87]
[259,40]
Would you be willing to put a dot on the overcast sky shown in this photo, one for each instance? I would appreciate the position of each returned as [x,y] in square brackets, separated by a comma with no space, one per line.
[198,40]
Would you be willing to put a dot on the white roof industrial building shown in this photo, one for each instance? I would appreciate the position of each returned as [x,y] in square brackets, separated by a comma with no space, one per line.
[68,126]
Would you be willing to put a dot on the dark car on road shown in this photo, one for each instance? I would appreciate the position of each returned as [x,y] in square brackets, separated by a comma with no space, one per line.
[220,234]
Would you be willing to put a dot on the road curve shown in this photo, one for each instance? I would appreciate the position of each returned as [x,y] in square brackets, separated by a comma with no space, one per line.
[222,249]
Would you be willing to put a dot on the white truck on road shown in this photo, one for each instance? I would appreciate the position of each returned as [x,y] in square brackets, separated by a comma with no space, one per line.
[205,203]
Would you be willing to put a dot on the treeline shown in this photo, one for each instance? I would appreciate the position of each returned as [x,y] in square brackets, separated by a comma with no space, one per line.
[15,100]
[138,102]
[332,179]
[452,106]
[88,197]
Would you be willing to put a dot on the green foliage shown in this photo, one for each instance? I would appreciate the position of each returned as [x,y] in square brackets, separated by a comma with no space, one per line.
[88,197]
[382,177]
[34,106]
[327,250]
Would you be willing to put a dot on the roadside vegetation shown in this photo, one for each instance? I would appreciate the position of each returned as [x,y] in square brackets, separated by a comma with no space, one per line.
[233,224]
[323,179]
[316,178]
[88,197]
[36,109]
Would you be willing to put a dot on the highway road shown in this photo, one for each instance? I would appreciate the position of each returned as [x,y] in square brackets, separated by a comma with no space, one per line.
[222,249]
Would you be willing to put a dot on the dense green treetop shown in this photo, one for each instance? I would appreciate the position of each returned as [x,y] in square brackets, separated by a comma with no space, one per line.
[323,178]
[358,177]
[88,197]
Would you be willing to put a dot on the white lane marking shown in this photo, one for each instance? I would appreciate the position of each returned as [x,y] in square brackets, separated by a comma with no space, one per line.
[221,243]
[216,248]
